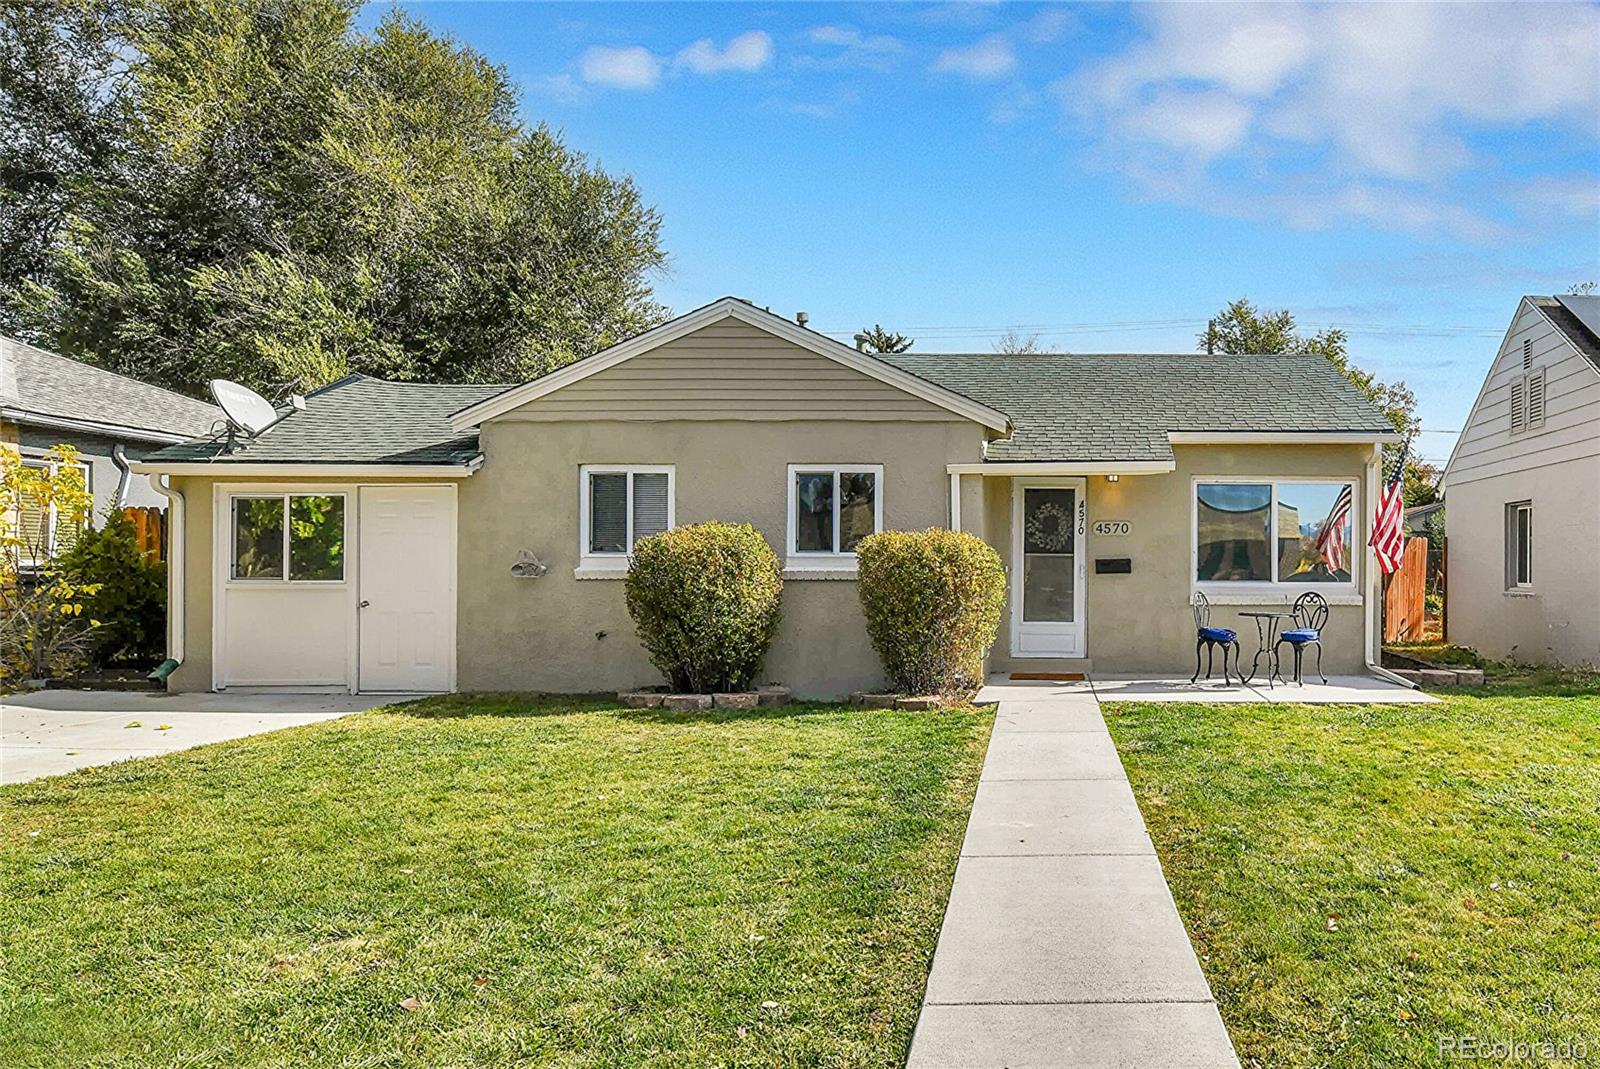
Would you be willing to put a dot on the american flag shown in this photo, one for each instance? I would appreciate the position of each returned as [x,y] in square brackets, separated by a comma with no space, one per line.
[1388,534]
[1330,540]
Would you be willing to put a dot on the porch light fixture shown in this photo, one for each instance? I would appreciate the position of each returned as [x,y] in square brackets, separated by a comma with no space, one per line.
[1113,478]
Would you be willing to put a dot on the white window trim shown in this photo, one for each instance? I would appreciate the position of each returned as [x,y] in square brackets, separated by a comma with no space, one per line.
[1241,592]
[50,464]
[1514,585]
[799,562]
[591,565]
[230,524]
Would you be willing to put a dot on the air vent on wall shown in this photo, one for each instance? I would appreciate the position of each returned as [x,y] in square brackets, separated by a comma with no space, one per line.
[1527,353]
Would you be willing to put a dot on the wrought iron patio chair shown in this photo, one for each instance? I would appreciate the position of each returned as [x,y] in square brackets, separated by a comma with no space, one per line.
[1210,638]
[1310,617]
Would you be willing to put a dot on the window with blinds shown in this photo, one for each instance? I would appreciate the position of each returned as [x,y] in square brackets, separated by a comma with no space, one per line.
[622,505]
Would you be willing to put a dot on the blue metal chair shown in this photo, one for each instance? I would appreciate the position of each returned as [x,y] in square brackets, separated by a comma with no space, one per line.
[1210,638]
[1310,617]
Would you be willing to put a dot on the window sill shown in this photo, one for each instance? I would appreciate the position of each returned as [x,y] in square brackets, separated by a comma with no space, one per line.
[820,570]
[1521,593]
[1281,595]
[601,570]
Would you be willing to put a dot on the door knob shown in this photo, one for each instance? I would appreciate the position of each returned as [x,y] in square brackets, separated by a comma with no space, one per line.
[363,604]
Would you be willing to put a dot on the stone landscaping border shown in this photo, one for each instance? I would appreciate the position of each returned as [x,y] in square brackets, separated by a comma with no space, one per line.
[684,703]
[1441,677]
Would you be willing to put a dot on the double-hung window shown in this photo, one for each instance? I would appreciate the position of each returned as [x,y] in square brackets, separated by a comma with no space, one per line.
[43,531]
[832,507]
[1269,531]
[621,504]
[1519,545]
[295,538]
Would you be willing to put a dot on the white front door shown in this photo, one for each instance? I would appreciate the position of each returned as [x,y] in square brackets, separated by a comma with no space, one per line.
[1048,553]
[407,610]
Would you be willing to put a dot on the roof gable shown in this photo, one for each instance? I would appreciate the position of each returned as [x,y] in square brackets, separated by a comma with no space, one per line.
[732,307]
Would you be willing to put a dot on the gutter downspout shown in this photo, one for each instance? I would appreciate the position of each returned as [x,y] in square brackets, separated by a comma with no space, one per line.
[175,570]
[119,457]
[1374,601]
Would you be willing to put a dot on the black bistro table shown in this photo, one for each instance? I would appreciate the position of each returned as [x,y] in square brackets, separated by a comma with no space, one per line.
[1267,625]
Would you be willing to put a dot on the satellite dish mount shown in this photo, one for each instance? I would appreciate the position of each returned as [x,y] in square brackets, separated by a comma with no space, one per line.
[248,412]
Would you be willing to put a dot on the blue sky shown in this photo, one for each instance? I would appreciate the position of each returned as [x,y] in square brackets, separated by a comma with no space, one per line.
[1106,176]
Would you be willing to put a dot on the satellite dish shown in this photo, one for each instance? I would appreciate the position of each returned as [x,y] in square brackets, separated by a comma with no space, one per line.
[245,409]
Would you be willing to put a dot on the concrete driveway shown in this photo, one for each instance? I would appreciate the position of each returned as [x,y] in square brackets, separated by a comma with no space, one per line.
[46,732]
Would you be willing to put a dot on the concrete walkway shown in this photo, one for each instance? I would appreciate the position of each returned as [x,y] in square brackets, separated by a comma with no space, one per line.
[46,732]
[1061,946]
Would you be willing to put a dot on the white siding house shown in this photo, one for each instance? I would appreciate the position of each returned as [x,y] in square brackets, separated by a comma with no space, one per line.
[1522,493]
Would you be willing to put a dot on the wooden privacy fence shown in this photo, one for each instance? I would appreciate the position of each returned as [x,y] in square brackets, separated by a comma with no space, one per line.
[1405,594]
[150,525]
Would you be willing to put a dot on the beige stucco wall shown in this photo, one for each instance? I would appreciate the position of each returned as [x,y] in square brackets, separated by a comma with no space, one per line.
[1560,619]
[1141,622]
[545,634]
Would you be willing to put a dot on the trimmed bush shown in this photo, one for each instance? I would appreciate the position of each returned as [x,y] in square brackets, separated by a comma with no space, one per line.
[933,601]
[704,600]
[130,594]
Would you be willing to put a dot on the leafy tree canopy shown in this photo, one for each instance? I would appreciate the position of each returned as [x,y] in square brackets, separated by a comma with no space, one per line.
[258,190]
[877,340]
[1243,328]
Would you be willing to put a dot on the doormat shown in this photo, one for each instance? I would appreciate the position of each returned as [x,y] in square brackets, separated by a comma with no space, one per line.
[1056,677]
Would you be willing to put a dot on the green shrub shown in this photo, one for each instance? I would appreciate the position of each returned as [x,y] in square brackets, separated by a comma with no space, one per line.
[704,599]
[130,599]
[933,601]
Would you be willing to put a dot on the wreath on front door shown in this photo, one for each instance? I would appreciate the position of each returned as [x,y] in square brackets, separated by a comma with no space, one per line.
[1050,528]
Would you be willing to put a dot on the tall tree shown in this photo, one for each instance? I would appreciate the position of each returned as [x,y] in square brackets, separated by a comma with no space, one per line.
[1243,328]
[878,340]
[268,194]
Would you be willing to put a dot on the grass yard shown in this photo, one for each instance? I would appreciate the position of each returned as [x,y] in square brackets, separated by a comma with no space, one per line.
[1362,881]
[555,881]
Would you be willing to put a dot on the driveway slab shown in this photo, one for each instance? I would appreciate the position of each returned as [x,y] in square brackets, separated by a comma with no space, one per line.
[1022,817]
[43,733]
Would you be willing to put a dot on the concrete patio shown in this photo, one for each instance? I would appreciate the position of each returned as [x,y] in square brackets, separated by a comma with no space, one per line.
[1339,690]
[46,732]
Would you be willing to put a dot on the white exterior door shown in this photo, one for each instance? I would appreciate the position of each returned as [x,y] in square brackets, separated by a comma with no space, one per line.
[1049,557]
[407,609]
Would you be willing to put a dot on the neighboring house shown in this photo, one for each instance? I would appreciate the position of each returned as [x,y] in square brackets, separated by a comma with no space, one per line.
[368,542]
[1522,491]
[48,400]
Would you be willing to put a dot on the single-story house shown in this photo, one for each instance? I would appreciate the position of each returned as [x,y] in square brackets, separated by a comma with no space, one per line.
[1522,492]
[47,400]
[399,537]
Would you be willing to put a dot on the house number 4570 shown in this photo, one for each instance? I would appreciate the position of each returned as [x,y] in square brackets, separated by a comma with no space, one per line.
[1112,527]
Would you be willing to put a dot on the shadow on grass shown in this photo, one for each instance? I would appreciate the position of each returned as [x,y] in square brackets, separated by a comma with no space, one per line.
[517,706]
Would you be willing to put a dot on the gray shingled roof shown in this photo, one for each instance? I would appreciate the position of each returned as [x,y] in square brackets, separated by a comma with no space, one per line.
[1076,407]
[1571,327]
[1120,406]
[36,382]
[357,420]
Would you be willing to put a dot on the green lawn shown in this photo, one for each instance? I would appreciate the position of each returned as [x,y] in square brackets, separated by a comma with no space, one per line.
[1362,881]
[556,881]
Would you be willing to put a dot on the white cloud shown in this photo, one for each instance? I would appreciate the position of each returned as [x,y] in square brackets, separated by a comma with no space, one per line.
[750,51]
[849,47]
[634,67]
[993,57]
[1367,111]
